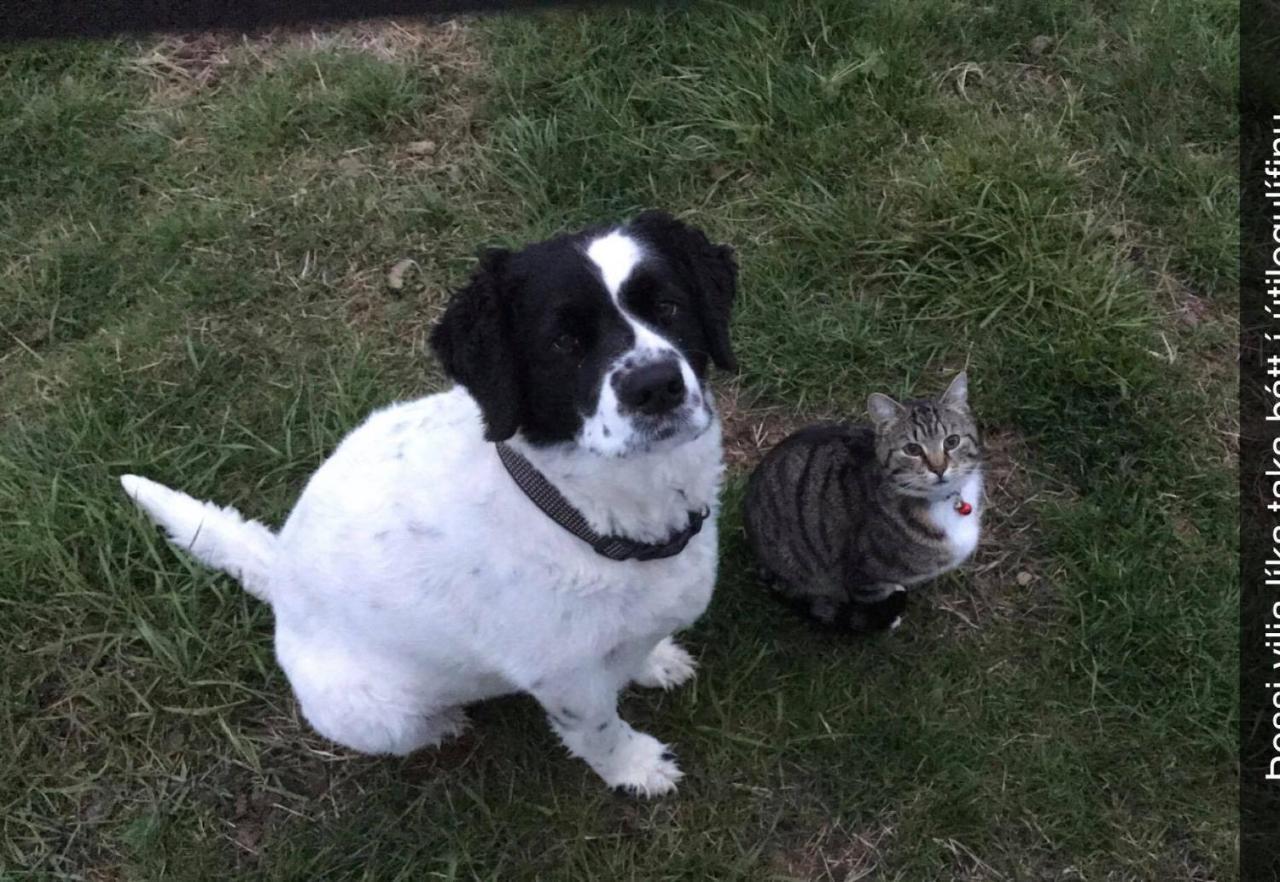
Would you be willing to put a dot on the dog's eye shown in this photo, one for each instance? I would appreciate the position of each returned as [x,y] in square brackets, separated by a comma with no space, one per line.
[668,310]
[913,450]
[952,442]
[565,344]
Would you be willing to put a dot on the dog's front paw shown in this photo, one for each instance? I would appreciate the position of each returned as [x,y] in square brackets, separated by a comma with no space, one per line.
[643,766]
[667,666]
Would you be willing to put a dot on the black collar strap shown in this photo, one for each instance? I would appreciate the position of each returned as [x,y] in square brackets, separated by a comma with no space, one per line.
[545,496]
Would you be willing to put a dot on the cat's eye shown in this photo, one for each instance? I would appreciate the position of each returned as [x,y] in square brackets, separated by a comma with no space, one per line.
[952,442]
[913,449]
[565,344]
[668,310]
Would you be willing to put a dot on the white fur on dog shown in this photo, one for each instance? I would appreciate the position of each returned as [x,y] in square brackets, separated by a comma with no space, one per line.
[413,576]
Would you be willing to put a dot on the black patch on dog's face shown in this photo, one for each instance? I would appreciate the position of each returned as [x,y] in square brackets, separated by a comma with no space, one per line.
[657,296]
[533,333]
[708,276]
[567,332]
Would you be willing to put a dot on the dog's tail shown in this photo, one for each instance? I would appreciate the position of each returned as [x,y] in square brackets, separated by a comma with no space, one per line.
[218,537]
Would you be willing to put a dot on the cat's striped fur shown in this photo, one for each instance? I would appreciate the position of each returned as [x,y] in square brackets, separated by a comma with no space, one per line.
[843,518]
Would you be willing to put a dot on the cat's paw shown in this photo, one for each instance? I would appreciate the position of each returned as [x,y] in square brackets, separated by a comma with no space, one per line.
[643,766]
[883,615]
[825,610]
[667,666]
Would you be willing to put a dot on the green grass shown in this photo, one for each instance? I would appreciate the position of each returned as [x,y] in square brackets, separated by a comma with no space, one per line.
[191,287]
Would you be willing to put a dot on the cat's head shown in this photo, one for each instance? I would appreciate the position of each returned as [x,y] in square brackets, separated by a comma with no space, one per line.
[927,448]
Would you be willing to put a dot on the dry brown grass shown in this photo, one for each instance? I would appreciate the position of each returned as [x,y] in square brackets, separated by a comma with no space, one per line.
[1188,312]
[1029,75]
[1007,577]
[752,426]
[404,316]
[441,149]
[835,854]
[182,65]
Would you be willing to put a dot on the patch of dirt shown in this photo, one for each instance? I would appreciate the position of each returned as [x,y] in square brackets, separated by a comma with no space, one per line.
[182,65]
[429,764]
[1006,577]
[298,777]
[312,777]
[994,82]
[104,874]
[834,854]
[1185,309]
[254,808]
[1186,857]
[440,146]
[250,819]
[399,317]
[444,42]
[751,427]
[968,867]
[1182,303]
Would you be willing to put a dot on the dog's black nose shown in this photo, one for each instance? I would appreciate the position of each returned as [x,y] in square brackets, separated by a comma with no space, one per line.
[653,389]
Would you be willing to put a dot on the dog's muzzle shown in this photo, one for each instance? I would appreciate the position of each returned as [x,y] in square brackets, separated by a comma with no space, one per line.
[652,389]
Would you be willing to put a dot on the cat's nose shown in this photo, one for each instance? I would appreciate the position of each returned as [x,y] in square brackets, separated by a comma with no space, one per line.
[939,468]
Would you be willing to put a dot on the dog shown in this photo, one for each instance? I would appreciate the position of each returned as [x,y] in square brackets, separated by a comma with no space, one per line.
[435,559]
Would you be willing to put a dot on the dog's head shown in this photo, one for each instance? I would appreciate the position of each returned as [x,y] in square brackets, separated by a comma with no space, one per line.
[603,338]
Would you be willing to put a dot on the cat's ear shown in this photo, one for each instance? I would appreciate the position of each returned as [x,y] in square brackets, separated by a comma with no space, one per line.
[883,409]
[957,394]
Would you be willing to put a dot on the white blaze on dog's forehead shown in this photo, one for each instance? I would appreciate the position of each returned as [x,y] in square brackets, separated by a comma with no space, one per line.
[616,255]
[608,430]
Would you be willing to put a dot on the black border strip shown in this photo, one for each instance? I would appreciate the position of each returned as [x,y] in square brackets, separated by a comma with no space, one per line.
[1259,441]
[60,19]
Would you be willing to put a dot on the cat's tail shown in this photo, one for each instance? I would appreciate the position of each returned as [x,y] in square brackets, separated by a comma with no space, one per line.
[218,537]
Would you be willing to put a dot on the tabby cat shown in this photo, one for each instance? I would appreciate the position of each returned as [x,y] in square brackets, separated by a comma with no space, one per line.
[843,518]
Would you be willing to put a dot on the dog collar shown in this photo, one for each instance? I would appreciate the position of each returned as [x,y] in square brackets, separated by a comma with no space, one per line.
[545,496]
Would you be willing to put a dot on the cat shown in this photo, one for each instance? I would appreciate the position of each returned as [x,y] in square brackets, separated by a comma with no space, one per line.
[844,518]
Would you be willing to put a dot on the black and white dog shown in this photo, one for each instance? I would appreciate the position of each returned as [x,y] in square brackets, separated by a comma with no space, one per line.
[426,566]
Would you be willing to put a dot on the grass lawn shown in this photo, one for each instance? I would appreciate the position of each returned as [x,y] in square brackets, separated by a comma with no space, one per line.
[195,236]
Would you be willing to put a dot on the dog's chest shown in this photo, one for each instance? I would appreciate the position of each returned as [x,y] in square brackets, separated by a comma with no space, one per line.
[414,535]
[565,598]
[673,590]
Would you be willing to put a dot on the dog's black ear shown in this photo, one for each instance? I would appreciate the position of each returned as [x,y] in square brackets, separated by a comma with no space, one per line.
[711,270]
[473,343]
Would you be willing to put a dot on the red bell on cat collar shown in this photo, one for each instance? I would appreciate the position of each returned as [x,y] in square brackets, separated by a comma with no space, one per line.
[962,507]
